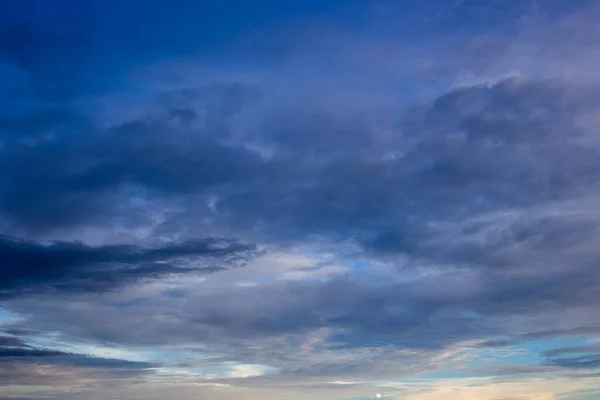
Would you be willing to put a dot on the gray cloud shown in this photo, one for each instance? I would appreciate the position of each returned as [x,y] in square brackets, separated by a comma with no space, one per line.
[483,188]
[307,329]
[473,151]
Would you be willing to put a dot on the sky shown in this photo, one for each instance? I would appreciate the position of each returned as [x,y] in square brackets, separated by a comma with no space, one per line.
[299,200]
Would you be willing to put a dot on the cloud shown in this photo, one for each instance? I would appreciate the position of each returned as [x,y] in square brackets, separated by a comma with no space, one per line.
[475,188]
[467,191]
[259,162]
[427,205]
[18,352]
[470,152]
[67,172]
[309,329]
[29,267]
[22,364]
[574,357]
[586,361]
[8,341]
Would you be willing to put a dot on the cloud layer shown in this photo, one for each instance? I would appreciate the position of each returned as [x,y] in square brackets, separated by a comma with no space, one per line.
[330,211]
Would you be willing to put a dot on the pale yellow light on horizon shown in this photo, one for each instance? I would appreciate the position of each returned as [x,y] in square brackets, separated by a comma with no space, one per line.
[485,389]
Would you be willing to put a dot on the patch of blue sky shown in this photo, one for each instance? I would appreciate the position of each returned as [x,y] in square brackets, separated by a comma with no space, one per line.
[477,362]
[513,356]
[7,317]
[521,355]
[375,272]
[225,370]
[450,374]
[549,344]
[49,340]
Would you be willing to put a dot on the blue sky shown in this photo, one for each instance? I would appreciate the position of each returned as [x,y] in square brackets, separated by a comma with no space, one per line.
[299,200]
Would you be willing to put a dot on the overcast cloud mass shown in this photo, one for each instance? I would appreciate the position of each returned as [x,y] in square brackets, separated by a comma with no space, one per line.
[299,200]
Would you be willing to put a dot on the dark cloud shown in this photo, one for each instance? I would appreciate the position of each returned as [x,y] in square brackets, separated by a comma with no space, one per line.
[30,267]
[561,351]
[20,398]
[473,151]
[574,357]
[583,361]
[76,174]
[19,352]
[8,341]
[59,358]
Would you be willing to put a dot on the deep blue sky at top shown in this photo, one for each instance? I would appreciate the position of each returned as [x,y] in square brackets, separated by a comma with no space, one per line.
[103,38]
